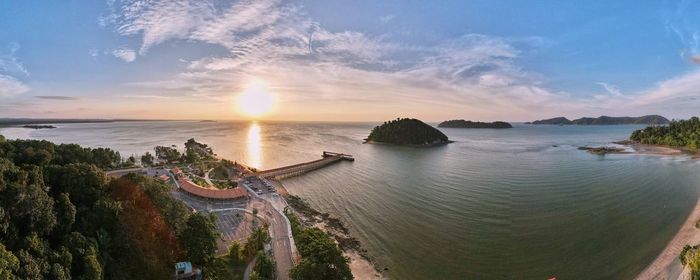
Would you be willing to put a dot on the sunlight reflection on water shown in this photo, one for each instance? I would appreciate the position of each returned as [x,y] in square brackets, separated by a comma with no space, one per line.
[254,153]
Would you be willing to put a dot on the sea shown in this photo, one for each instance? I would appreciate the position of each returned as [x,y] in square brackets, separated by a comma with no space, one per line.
[520,203]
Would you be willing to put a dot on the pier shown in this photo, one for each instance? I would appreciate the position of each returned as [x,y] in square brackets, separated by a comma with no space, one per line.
[328,158]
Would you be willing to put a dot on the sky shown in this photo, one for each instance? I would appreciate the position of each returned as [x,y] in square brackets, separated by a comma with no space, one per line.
[350,60]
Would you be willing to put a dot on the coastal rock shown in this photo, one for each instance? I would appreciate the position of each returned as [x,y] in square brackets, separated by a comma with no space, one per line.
[603,150]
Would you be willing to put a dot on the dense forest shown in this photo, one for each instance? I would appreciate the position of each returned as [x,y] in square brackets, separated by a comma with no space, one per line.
[407,132]
[679,133]
[61,217]
[471,124]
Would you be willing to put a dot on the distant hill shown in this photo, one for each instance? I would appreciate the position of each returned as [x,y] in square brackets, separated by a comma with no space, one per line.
[559,120]
[407,132]
[606,120]
[471,124]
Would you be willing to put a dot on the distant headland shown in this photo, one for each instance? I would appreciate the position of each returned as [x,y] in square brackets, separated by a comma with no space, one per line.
[605,120]
[409,132]
[471,124]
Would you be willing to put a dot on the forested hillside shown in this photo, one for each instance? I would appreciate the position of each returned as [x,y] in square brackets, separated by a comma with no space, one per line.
[61,217]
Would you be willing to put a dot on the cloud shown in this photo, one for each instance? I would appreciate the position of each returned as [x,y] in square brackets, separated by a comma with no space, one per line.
[9,63]
[10,86]
[125,54]
[93,52]
[312,67]
[613,90]
[56,97]
[281,43]
[387,18]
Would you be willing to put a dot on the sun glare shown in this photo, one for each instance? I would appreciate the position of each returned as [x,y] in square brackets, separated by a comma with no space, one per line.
[257,100]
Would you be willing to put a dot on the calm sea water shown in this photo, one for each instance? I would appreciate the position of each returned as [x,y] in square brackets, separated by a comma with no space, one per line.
[520,203]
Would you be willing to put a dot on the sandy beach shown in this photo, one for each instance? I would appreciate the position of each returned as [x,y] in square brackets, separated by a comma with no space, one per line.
[667,265]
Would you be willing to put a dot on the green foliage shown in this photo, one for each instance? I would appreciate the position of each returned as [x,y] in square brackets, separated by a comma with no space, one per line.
[199,237]
[224,268]
[256,242]
[235,252]
[321,258]
[62,218]
[167,153]
[679,133]
[147,159]
[264,267]
[9,264]
[407,132]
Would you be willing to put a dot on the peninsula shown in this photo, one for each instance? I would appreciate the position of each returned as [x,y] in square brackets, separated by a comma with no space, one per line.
[605,120]
[407,131]
[678,133]
[471,124]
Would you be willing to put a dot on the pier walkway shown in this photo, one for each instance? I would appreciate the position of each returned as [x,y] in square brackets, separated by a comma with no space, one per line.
[328,158]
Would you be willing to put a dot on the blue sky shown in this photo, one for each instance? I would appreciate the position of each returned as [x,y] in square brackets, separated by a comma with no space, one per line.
[350,60]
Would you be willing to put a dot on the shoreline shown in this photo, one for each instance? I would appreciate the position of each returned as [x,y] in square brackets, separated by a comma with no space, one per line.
[361,264]
[667,265]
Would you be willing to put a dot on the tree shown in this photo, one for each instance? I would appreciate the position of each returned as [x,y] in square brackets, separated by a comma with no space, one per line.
[9,264]
[256,242]
[321,258]
[91,266]
[199,238]
[147,159]
[264,266]
[234,252]
[65,211]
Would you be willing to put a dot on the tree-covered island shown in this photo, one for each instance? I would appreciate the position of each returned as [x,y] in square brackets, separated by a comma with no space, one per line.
[407,131]
[471,124]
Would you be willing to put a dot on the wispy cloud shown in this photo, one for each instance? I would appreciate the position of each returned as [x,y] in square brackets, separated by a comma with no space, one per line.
[278,41]
[387,18]
[125,54]
[9,63]
[10,86]
[312,66]
[611,89]
[56,97]
[10,68]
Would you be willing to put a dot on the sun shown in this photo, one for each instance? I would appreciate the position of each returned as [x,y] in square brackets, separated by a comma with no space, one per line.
[257,100]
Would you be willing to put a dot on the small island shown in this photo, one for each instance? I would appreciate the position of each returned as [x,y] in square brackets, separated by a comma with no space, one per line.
[605,120]
[406,131]
[37,126]
[471,124]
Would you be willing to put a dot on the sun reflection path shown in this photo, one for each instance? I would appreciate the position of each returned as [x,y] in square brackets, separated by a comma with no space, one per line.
[254,155]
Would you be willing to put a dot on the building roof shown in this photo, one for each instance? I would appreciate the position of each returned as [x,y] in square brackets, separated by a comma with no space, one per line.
[185,267]
[164,177]
[176,170]
[192,188]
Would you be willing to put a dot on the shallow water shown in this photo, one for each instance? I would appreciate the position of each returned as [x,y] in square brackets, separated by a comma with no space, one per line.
[519,203]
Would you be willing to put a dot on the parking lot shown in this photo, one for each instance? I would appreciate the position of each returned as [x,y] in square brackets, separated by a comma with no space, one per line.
[260,186]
